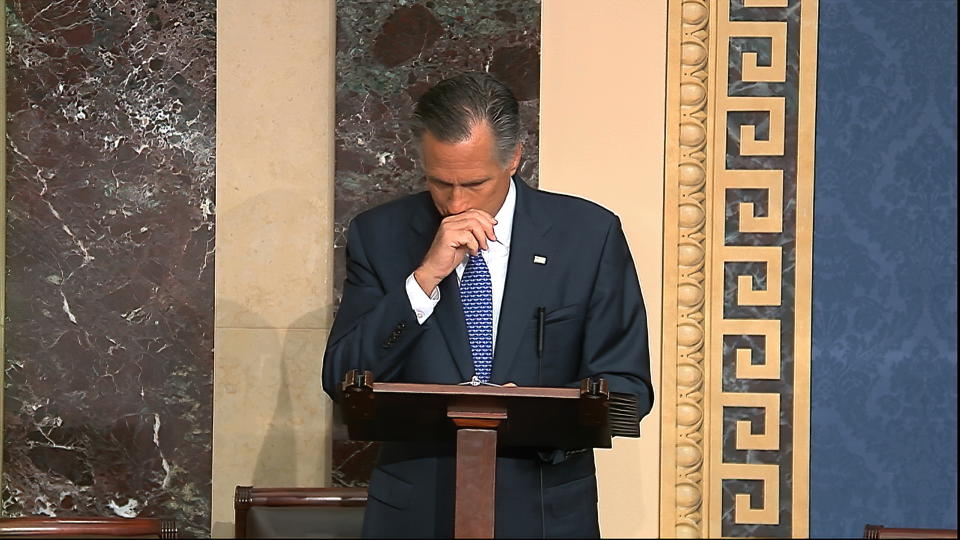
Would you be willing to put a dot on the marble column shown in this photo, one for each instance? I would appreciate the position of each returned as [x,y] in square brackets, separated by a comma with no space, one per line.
[109,250]
[388,53]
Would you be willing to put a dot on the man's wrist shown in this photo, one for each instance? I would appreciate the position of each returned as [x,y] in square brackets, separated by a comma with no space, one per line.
[427,285]
[421,304]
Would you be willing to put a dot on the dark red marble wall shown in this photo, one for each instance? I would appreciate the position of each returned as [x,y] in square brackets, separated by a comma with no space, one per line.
[109,258]
[388,53]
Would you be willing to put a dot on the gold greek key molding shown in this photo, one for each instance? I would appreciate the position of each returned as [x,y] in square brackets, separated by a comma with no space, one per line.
[737,267]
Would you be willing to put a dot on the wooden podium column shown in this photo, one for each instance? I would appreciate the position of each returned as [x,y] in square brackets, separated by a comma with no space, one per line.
[476,468]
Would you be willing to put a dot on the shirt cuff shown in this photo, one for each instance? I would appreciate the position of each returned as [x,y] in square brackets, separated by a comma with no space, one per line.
[422,304]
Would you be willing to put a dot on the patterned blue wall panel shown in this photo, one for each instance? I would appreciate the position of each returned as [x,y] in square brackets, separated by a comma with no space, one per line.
[884,387]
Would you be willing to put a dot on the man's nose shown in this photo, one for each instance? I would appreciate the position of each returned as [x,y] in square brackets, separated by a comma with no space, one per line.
[458,201]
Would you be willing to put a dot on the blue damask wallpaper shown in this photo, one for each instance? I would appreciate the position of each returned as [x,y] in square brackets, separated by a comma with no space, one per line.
[884,388]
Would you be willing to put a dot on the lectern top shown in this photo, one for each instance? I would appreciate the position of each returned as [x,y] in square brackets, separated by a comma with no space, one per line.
[492,391]
[538,417]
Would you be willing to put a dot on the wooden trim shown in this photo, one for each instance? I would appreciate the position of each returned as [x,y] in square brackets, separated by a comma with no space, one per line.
[879,531]
[80,526]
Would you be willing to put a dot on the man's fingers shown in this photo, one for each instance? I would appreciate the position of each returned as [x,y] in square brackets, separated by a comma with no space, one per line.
[471,220]
[479,214]
[468,231]
[472,214]
[488,230]
[462,240]
[469,241]
[480,234]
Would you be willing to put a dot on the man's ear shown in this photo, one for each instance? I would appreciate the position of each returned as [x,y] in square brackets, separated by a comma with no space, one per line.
[515,160]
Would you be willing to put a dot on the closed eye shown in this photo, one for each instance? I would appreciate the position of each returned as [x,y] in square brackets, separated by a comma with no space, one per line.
[468,184]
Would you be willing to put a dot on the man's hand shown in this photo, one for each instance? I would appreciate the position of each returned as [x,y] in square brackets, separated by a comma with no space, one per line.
[459,234]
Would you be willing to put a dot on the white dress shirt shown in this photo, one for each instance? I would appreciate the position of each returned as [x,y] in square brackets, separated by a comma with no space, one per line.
[496,258]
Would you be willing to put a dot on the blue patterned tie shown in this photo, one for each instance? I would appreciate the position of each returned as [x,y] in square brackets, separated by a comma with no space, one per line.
[476,293]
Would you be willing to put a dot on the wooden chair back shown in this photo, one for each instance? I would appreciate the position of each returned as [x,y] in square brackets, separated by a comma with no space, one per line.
[247,497]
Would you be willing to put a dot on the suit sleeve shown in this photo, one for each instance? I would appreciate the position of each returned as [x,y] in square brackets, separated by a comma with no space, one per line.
[615,344]
[374,326]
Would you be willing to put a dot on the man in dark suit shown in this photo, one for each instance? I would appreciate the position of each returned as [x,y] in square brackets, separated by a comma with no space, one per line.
[447,285]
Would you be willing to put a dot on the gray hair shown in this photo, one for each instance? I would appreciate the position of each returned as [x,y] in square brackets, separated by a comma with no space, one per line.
[454,106]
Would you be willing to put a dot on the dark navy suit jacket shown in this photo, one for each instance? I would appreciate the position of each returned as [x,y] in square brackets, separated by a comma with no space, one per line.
[595,324]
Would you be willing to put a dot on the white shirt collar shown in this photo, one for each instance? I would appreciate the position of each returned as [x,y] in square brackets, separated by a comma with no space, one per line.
[504,227]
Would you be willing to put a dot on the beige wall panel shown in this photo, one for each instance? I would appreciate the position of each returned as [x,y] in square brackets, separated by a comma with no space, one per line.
[273,257]
[274,269]
[602,138]
[270,423]
[274,163]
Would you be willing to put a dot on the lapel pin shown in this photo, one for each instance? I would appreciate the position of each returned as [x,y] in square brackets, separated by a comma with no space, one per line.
[539,259]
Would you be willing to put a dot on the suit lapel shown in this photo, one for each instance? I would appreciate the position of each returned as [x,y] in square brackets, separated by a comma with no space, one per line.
[424,223]
[448,315]
[525,279]
[450,319]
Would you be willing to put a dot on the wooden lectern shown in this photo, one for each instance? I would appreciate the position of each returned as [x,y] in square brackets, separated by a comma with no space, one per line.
[480,418]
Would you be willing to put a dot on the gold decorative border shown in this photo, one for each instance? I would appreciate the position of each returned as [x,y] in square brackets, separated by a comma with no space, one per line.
[685,287]
[696,180]
[806,145]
